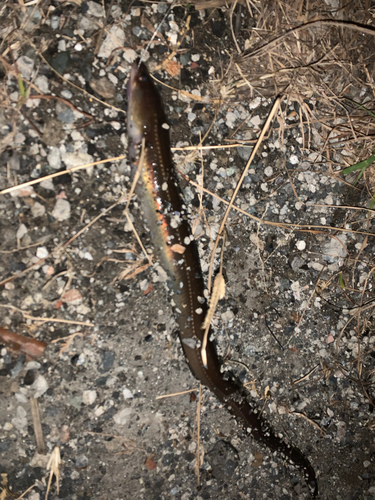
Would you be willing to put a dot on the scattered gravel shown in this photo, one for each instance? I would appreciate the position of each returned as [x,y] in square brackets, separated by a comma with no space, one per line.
[290,293]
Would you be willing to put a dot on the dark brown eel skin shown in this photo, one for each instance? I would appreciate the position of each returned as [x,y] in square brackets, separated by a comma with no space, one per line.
[167,218]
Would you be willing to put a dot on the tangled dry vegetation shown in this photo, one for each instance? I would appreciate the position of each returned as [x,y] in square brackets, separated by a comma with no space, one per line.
[318,52]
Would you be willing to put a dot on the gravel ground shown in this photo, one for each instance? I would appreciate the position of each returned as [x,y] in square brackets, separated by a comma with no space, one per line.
[65,241]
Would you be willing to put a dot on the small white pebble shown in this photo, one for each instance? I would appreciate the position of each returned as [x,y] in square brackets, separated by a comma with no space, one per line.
[42,252]
[88,397]
[293,160]
[127,394]
[301,245]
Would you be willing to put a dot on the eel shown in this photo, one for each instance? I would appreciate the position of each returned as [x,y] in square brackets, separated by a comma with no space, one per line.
[168,220]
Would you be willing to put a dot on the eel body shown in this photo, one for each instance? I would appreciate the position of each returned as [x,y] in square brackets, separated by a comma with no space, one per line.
[167,218]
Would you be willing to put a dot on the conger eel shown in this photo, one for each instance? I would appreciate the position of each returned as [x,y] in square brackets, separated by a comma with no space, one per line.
[167,217]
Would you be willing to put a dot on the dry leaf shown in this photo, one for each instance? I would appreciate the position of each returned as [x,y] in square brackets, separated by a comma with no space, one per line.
[150,464]
[31,347]
[172,68]
[72,297]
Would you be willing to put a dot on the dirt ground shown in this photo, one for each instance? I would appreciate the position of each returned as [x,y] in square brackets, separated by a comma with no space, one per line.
[297,321]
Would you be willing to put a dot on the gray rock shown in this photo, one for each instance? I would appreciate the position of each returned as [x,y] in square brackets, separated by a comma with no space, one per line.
[38,210]
[41,82]
[20,420]
[108,358]
[19,139]
[66,115]
[95,9]
[62,210]
[244,153]
[55,22]
[115,39]
[54,158]
[22,230]
[40,386]
[66,94]
[25,66]
[297,263]
[122,417]
[333,249]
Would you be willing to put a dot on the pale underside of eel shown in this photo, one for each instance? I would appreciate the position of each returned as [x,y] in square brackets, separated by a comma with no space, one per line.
[167,218]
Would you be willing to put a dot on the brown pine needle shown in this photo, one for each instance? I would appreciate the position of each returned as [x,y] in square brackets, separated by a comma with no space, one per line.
[37,424]
[176,394]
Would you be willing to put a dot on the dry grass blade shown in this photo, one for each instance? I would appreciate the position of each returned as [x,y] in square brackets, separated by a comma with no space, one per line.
[45,319]
[137,174]
[37,424]
[212,4]
[312,24]
[314,424]
[27,491]
[176,394]
[265,128]
[58,174]
[5,492]
[305,377]
[284,225]
[126,211]
[218,293]
[54,467]
[67,341]
[132,271]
